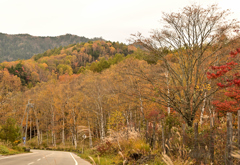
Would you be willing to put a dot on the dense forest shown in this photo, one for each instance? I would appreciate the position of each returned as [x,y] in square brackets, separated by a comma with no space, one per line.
[163,102]
[24,46]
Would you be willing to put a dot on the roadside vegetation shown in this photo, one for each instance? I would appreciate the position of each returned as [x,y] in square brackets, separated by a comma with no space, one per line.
[172,98]
[10,138]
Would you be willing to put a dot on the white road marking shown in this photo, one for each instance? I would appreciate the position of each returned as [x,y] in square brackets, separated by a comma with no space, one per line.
[49,155]
[30,163]
[17,155]
[39,159]
[76,163]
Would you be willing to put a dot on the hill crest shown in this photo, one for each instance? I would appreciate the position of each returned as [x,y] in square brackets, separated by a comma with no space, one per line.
[24,46]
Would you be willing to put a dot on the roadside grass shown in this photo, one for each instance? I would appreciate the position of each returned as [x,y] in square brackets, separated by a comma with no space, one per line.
[90,154]
[4,150]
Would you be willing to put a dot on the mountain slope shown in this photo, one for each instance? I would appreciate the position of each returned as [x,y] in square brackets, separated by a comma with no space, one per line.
[24,46]
[72,59]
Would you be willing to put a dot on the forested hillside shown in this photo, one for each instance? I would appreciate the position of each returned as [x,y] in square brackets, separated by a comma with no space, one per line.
[24,46]
[166,101]
[72,59]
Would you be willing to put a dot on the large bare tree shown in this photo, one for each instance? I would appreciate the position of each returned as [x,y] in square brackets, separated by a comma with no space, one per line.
[189,42]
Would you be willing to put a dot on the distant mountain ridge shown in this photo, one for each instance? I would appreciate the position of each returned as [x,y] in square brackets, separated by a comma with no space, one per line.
[24,46]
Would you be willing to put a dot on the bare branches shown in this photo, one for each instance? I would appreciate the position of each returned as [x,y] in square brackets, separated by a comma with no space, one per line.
[195,38]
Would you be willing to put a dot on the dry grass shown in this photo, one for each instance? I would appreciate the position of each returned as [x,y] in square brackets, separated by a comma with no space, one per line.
[120,135]
[167,159]
[236,154]
[94,163]
[178,161]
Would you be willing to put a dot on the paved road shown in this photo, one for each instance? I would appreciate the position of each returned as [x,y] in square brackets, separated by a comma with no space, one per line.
[41,157]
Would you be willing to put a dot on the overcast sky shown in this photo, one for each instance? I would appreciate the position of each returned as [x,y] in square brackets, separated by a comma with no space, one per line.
[112,20]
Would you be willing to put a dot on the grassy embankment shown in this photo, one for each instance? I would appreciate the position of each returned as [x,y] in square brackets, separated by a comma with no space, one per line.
[5,150]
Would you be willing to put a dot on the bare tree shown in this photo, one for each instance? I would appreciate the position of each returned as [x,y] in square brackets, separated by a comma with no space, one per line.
[190,42]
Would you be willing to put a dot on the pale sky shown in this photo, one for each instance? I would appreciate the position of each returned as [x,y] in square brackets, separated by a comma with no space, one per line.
[113,20]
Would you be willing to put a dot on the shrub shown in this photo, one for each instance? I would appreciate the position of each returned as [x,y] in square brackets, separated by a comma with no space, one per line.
[10,132]
[3,150]
[106,148]
[18,148]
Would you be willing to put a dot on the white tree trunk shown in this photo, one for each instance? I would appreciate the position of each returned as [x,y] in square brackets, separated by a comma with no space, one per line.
[53,125]
[38,132]
[102,125]
[130,119]
[30,128]
[141,106]
[74,129]
[37,125]
[63,134]
[90,135]
[75,141]
[168,108]
[26,129]
[41,137]
[203,108]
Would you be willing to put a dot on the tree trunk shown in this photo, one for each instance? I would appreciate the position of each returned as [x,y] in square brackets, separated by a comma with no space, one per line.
[41,137]
[23,119]
[196,141]
[38,132]
[75,141]
[47,137]
[30,128]
[34,132]
[37,126]
[63,134]
[135,120]
[141,108]
[211,146]
[97,127]
[130,120]
[90,135]
[26,129]
[146,135]
[229,160]
[74,132]
[127,121]
[203,108]
[154,134]
[102,125]
[53,127]
[168,93]
[163,140]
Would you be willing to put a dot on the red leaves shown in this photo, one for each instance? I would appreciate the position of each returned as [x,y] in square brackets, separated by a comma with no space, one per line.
[233,54]
[220,85]
[236,82]
[238,50]
[232,63]
[231,85]
[221,70]
[226,106]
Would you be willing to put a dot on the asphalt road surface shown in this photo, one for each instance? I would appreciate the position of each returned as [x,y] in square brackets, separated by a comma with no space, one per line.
[42,157]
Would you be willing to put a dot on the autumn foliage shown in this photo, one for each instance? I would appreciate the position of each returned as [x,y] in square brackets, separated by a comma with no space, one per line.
[112,92]
[228,80]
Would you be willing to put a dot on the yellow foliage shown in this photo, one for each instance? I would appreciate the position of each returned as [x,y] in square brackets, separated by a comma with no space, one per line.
[115,120]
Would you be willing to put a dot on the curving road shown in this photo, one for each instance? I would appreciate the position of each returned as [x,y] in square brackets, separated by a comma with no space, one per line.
[42,157]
